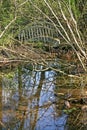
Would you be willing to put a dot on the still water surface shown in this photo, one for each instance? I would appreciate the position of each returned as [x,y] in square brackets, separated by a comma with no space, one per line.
[36,101]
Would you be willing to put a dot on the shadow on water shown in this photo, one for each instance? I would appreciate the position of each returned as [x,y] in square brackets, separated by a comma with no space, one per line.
[38,101]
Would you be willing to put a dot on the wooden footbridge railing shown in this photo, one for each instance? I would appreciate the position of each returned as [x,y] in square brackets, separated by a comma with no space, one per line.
[39,31]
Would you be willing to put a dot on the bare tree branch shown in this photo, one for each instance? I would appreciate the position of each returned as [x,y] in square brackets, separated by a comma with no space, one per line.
[23,3]
[12,21]
[72,33]
[7,27]
[57,20]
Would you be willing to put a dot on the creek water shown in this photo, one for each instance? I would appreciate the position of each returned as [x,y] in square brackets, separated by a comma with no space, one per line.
[36,101]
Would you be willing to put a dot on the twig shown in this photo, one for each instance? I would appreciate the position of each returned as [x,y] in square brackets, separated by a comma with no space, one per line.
[57,20]
[2,124]
[72,33]
[7,27]
[23,3]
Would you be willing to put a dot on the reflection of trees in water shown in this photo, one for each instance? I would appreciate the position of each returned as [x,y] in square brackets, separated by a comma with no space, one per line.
[40,86]
[30,104]
[33,104]
[24,99]
[30,115]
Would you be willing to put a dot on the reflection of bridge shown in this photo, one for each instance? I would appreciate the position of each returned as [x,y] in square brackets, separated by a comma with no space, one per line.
[43,32]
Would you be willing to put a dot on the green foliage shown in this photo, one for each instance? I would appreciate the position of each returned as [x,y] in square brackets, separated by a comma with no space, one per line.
[9,75]
[75,9]
[6,12]
[40,45]
[68,111]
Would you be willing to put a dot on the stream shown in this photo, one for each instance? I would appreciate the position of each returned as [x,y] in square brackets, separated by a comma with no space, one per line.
[37,101]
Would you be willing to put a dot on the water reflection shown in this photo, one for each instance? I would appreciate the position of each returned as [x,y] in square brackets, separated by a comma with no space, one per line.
[29,101]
